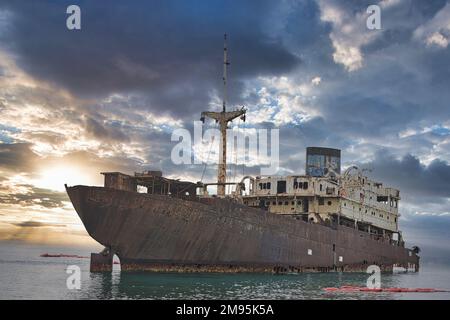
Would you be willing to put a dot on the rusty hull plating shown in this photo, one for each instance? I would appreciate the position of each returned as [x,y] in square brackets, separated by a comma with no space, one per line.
[162,233]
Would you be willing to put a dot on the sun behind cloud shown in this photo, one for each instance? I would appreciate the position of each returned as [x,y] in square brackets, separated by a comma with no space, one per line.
[54,178]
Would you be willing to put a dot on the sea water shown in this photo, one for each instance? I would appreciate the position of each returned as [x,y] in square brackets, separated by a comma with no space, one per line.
[26,275]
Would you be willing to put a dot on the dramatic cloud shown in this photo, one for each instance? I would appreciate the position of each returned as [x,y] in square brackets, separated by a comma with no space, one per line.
[346,36]
[169,52]
[28,195]
[414,177]
[16,157]
[436,32]
[35,224]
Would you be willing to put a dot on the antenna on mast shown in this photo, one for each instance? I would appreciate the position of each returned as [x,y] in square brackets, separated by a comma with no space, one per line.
[225,65]
[223,118]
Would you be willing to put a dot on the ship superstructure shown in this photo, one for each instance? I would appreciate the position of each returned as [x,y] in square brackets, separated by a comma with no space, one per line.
[327,197]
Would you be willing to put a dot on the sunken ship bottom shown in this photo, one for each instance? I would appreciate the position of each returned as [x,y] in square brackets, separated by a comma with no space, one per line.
[164,234]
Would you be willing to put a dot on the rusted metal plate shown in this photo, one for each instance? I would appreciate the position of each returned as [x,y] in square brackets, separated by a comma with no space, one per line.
[101,263]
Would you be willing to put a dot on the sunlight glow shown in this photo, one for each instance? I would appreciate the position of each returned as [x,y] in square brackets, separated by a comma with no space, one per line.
[54,178]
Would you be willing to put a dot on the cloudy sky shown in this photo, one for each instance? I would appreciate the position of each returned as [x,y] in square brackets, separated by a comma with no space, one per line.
[108,97]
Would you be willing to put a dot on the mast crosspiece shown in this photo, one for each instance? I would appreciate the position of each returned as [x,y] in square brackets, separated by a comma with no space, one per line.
[223,118]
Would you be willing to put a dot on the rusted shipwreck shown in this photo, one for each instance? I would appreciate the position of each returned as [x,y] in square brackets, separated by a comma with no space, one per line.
[323,220]
[284,224]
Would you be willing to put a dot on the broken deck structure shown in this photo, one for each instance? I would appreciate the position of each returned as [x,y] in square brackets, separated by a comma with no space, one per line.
[153,181]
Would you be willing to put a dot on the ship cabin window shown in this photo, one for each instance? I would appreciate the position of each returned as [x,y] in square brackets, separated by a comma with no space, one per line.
[395,219]
[329,203]
[267,203]
[383,199]
[281,186]
[387,217]
[293,203]
[280,203]
[299,202]
[345,204]
[264,186]
[300,185]
[286,203]
[274,203]
[320,187]
[321,201]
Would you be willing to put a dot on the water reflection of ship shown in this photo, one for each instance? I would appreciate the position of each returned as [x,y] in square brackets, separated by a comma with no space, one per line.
[139,285]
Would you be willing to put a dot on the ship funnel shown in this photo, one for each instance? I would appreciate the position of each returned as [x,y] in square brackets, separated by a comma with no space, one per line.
[322,161]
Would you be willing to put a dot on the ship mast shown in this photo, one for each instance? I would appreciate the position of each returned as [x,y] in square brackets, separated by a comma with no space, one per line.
[223,118]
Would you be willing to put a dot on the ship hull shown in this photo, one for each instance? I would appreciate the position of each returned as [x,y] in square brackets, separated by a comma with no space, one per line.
[162,233]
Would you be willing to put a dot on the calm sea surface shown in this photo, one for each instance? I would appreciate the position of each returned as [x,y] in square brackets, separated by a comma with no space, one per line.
[26,275]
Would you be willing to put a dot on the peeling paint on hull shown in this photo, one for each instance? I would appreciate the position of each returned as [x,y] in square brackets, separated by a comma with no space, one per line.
[161,233]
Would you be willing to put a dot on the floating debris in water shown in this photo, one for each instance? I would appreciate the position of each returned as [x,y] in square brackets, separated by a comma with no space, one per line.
[366,289]
[60,255]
